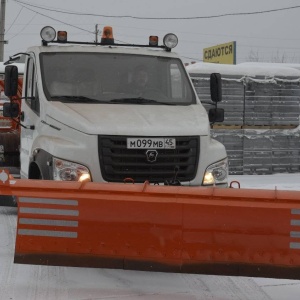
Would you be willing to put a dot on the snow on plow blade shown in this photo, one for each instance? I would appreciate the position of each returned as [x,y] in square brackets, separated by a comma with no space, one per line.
[158,228]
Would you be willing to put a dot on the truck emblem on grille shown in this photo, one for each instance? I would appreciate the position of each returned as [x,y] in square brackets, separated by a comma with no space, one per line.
[151,155]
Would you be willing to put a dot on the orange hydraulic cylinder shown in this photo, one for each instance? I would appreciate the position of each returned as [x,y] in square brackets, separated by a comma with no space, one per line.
[158,228]
[6,124]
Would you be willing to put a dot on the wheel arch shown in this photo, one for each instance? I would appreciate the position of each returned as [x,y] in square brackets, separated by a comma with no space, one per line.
[40,166]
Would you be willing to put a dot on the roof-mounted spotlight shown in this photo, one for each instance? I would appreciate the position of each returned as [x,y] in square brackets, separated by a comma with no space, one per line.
[48,34]
[170,40]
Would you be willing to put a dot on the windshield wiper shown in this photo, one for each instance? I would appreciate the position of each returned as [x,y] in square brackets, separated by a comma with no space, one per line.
[139,100]
[77,99]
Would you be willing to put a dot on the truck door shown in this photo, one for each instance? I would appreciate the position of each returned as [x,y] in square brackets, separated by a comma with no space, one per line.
[30,115]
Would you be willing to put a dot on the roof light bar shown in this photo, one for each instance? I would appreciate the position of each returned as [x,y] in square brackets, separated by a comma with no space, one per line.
[48,35]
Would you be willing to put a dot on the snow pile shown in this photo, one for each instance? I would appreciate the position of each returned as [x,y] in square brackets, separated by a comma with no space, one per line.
[246,69]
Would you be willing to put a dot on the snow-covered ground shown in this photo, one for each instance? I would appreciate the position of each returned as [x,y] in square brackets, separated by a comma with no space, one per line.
[274,288]
[27,282]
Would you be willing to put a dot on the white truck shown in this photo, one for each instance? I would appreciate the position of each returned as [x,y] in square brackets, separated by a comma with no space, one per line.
[83,121]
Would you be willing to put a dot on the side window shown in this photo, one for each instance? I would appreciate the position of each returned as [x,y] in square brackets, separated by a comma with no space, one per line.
[31,96]
[176,81]
[29,80]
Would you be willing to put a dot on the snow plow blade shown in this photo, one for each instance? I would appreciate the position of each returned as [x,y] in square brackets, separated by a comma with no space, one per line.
[158,228]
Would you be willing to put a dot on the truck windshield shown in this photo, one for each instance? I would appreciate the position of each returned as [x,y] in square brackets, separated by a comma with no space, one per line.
[115,78]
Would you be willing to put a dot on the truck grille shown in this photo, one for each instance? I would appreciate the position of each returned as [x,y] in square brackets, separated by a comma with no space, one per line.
[117,162]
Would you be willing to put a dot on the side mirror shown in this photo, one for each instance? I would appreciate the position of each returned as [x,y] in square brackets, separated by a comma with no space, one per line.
[11,81]
[11,109]
[216,87]
[216,115]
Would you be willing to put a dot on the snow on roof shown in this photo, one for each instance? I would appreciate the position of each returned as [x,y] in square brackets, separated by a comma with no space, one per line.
[265,64]
[247,69]
[19,65]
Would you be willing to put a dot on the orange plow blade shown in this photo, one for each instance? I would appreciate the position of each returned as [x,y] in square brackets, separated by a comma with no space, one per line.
[158,228]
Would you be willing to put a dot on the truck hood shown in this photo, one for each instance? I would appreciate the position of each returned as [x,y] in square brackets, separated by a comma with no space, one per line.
[135,120]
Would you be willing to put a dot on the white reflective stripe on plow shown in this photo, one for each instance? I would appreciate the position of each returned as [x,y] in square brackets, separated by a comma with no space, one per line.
[295,234]
[49,211]
[294,245]
[46,222]
[295,222]
[48,201]
[50,233]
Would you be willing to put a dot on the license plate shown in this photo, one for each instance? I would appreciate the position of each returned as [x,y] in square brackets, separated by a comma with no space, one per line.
[151,143]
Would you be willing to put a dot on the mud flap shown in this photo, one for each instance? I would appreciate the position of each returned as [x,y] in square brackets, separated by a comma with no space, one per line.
[158,228]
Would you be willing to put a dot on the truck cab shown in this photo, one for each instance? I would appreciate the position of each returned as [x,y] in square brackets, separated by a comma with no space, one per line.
[86,118]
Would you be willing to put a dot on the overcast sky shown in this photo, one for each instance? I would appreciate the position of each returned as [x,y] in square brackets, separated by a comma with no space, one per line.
[266,36]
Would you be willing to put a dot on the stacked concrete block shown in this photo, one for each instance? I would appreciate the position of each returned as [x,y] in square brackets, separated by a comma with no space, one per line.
[233,141]
[257,150]
[261,127]
[232,97]
[271,102]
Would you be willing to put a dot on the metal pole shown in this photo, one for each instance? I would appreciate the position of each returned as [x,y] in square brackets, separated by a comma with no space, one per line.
[96,33]
[2,25]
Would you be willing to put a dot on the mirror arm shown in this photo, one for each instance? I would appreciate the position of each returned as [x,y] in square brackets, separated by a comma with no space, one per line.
[21,98]
[14,58]
[210,103]
[32,127]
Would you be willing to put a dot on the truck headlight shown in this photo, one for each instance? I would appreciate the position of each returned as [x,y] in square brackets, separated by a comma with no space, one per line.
[64,170]
[216,173]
